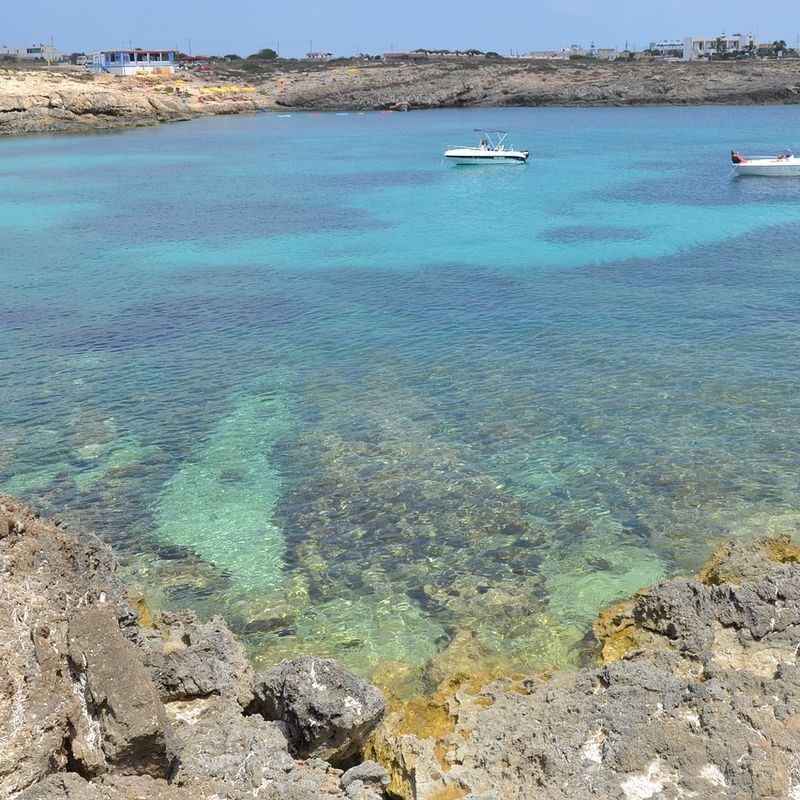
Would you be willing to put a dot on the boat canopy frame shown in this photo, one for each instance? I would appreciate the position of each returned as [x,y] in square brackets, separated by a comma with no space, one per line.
[494,138]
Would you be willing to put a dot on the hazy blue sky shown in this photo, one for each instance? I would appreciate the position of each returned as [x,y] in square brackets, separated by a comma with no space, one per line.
[345,27]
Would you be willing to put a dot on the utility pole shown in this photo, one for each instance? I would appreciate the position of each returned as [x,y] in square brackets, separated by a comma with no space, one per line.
[190,46]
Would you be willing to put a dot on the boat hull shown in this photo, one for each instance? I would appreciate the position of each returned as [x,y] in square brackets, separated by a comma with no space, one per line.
[466,156]
[769,168]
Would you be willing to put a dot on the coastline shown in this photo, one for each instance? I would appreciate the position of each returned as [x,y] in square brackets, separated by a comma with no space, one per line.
[43,101]
[123,703]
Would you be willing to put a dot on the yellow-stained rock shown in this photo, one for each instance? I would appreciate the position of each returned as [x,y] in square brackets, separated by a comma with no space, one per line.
[615,629]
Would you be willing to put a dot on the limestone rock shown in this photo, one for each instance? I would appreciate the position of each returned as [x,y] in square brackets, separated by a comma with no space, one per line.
[328,711]
[188,658]
[71,786]
[45,572]
[133,729]
[223,745]
[365,781]
[707,709]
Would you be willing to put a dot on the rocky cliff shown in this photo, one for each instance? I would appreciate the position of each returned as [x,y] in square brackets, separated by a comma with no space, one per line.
[36,101]
[697,694]
[533,83]
[44,101]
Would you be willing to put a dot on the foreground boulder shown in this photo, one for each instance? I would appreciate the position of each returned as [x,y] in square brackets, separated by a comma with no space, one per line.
[72,691]
[328,711]
[122,712]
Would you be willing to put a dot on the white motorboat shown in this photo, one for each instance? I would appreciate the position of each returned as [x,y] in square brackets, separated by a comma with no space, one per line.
[786,164]
[491,149]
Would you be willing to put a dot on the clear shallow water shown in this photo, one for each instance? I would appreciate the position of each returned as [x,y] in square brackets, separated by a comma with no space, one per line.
[299,372]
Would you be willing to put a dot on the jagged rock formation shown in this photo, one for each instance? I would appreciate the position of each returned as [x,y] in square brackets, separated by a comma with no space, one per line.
[94,705]
[699,698]
[41,102]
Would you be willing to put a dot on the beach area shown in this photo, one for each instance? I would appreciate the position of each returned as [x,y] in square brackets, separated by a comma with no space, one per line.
[72,99]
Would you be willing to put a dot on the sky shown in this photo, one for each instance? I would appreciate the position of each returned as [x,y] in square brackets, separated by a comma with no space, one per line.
[348,27]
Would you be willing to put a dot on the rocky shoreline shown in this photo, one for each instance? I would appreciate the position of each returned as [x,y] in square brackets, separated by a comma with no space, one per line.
[40,101]
[696,695]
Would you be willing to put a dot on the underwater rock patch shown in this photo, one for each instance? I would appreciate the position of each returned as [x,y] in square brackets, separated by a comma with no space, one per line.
[580,234]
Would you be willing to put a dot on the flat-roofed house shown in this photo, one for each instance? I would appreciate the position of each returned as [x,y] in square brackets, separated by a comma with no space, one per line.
[132,62]
[44,52]
[697,47]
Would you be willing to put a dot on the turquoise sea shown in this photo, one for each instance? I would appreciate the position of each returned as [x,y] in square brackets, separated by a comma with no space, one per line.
[419,417]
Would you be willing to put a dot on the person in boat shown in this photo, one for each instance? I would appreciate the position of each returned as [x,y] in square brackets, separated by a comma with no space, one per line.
[482,144]
[736,158]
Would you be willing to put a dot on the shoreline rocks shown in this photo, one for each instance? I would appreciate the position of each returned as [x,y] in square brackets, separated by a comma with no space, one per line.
[697,694]
[328,711]
[698,697]
[94,705]
[43,101]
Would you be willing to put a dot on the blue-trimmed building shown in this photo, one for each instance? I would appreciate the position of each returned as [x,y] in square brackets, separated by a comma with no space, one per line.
[132,62]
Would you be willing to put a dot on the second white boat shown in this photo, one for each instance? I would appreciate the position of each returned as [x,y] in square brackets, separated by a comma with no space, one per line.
[787,164]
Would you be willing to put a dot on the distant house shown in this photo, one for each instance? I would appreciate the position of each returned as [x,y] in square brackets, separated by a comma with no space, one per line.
[44,52]
[431,55]
[548,55]
[605,53]
[695,47]
[315,56]
[667,47]
[402,56]
[133,62]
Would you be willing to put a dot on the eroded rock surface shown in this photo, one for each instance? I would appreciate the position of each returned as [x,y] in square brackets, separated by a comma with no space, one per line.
[328,711]
[43,101]
[93,706]
[698,696]
[702,701]
[189,658]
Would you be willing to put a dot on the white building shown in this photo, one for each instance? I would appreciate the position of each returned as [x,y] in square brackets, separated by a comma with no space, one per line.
[132,62]
[702,47]
[41,51]
[667,47]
